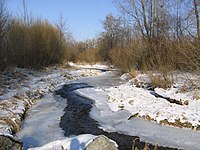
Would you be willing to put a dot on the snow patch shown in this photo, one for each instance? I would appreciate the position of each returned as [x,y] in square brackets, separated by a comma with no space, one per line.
[116,120]
[125,76]
[88,66]
[143,103]
[75,143]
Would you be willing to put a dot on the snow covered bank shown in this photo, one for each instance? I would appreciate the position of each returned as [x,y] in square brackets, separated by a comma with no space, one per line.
[132,108]
[21,87]
[117,121]
[117,109]
[88,66]
[144,103]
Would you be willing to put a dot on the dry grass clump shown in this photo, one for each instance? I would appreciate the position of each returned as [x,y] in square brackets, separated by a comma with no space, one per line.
[133,73]
[180,124]
[15,125]
[196,94]
[160,81]
[137,146]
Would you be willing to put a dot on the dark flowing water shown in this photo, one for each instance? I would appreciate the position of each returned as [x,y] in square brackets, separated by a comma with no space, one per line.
[76,119]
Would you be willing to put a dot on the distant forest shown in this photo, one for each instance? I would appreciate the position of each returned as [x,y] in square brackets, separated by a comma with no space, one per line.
[161,35]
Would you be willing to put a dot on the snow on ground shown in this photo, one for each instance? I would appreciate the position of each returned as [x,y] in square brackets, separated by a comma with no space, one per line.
[111,120]
[75,143]
[86,70]
[142,102]
[19,88]
[132,108]
[115,108]
[88,66]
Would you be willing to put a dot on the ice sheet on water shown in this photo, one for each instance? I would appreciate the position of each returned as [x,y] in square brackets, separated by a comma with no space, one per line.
[42,124]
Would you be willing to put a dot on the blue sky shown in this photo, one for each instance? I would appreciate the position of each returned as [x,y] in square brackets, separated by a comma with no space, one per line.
[83,17]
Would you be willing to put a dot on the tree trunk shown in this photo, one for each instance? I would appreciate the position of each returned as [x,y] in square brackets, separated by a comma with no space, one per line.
[145,18]
[138,20]
[151,19]
[197,17]
[155,17]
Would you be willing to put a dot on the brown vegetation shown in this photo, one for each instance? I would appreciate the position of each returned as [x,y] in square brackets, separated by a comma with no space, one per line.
[35,45]
[31,43]
[153,35]
[180,124]
[89,55]
[160,82]
[149,35]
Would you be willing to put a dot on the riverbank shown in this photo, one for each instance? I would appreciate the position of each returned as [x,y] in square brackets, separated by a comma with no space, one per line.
[115,104]
[21,88]
[175,105]
[130,107]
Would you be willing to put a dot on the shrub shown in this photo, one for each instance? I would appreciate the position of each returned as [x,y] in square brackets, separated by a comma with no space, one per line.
[35,45]
[164,55]
[89,56]
[161,81]
[130,57]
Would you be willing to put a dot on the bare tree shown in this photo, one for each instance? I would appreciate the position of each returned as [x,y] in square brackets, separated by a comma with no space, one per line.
[112,27]
[150,18]
[155,17]
[145,18]
[65,36]
[61,26]
[197,17]
[142,14]
[116,34]
[4,26]
[25,11]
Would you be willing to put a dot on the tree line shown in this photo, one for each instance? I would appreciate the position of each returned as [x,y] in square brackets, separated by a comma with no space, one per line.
[161,35]
[153,34]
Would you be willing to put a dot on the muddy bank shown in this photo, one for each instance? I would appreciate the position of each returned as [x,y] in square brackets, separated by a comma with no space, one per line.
[76,119]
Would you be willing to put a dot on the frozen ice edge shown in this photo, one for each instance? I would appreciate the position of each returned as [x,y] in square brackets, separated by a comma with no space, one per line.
[45,82]
[148,131]
[42,124]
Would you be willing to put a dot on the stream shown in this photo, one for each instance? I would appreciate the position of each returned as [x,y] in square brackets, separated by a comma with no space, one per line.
[44,124]
[79,109]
